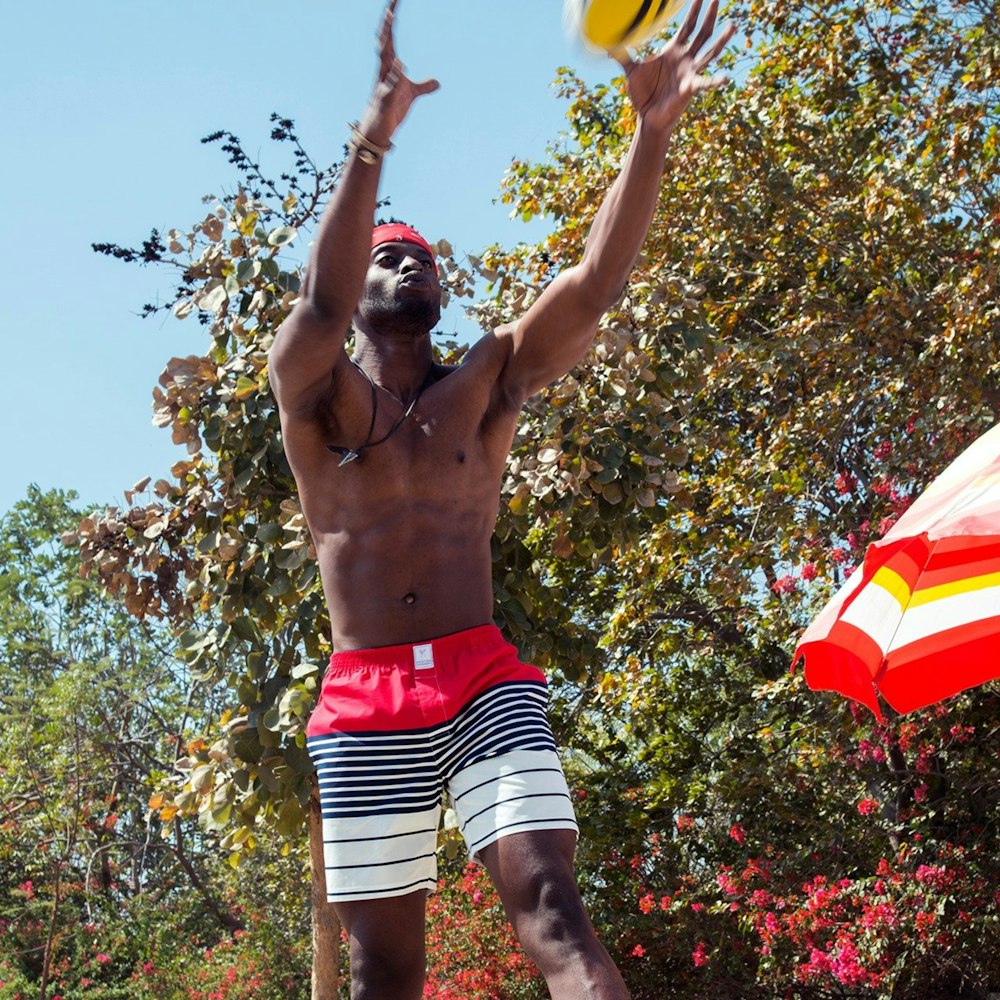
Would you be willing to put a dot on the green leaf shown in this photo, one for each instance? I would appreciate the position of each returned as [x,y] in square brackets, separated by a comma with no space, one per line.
[282,235]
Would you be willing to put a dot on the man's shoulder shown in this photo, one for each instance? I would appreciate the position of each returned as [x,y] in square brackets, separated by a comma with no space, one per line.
[489,353]
[479,381]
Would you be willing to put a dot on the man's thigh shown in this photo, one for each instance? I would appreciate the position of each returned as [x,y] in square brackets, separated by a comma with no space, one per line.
[390,919]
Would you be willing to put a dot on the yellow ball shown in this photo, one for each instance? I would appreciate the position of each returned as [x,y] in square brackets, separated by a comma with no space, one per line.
[614,25]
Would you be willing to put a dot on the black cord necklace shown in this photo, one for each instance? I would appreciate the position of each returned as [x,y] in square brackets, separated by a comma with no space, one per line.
[350,454]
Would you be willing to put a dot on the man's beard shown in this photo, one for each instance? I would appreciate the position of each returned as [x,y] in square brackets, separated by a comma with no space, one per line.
[406,315]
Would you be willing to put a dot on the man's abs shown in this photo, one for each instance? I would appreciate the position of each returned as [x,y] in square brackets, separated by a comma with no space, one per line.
[407,581]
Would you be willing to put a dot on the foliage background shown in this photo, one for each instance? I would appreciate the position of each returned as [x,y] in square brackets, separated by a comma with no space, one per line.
[810,336]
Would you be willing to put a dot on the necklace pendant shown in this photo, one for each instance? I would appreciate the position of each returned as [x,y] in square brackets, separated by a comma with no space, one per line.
[349,456]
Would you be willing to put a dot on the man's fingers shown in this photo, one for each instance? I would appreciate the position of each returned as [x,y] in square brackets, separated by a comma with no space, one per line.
[694,11]
[713,53]
[426,87]
[717,82]
[385,42]
[707,28]
[385,32]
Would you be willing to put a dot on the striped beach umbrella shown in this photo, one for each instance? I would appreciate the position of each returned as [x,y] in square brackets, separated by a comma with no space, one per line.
[919,621]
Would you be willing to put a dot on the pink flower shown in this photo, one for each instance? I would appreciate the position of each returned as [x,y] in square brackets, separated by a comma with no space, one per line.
[808,572]
[737,833]
[846,965]
[785,585]
[819,961]
[684,823]
[727,883]
[885,525]
[699,956]
[638,951]
[934,875]
[102,958]
[867,806]
[647,903]
[882,450]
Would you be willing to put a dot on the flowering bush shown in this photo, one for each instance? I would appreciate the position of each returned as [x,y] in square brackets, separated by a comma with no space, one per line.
[881,884]
[166,945]
[471,950]
[152,959]
[242,967]
[907,920]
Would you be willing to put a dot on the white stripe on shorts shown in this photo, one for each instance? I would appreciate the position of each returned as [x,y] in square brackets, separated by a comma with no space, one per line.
[523,790]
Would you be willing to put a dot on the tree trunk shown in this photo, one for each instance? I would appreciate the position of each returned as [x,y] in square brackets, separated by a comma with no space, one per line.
[325,926]
[50,937]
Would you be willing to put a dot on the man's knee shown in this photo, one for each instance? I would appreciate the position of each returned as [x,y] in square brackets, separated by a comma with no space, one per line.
[551,922]
[380,970]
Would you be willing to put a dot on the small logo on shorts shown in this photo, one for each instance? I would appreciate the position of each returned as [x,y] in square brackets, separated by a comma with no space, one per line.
[423,657]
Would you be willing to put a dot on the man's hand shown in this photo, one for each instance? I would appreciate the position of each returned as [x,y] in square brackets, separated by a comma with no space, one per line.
[394,91]
[662,86]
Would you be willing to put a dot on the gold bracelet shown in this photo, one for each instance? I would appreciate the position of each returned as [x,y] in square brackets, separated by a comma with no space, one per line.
[368,151]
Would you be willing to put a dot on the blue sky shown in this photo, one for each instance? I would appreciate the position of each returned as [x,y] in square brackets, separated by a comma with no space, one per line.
[104,106]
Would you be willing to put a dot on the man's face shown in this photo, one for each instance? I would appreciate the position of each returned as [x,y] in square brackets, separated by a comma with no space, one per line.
[401,288]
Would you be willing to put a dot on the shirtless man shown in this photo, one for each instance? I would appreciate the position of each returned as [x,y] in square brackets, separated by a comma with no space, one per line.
[398,462]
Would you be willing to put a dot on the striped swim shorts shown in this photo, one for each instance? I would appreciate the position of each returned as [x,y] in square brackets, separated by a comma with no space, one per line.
[396,726]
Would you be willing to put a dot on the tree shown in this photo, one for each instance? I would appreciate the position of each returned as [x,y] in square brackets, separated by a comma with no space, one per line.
[92,704]
[811,333]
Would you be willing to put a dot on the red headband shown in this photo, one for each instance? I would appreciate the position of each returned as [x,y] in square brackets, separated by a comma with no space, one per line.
[395,232]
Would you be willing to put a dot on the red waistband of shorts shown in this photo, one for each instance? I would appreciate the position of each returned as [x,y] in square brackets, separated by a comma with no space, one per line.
[479,639]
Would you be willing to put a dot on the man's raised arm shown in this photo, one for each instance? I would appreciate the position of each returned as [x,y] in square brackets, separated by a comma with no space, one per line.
[555,333]
[310,343]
